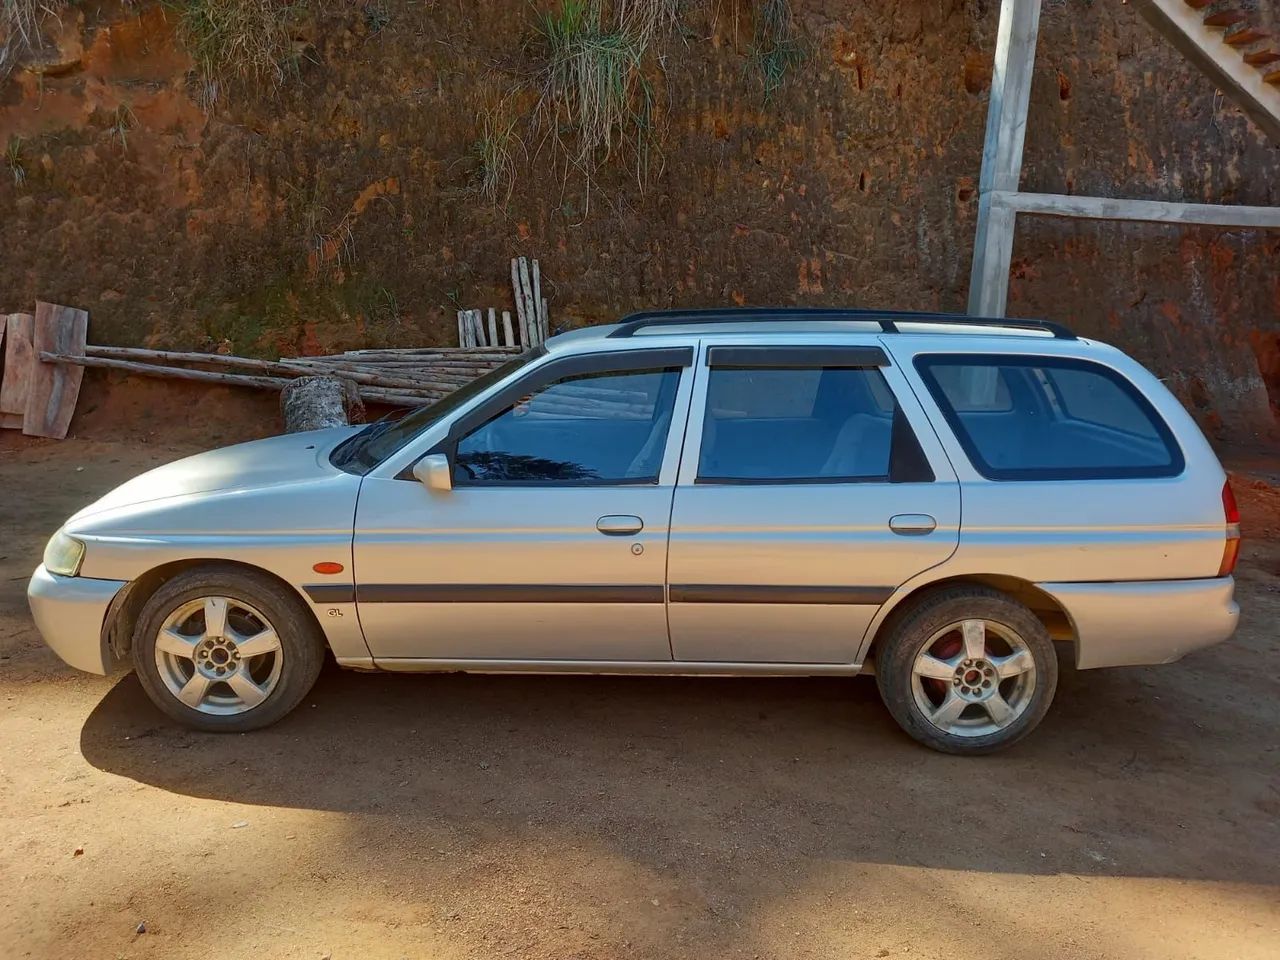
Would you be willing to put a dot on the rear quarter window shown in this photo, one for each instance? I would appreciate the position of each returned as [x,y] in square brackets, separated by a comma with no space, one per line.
[1049,418]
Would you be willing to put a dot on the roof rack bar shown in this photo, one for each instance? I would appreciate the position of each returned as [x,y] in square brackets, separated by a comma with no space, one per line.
[887,319]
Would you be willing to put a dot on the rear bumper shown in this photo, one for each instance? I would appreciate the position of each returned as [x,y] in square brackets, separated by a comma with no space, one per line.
[1127,624]
[69,612]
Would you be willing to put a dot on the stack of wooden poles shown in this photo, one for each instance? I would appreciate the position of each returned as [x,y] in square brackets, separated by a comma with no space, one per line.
[408,377]
[412,377]
[404,377]
[533,324]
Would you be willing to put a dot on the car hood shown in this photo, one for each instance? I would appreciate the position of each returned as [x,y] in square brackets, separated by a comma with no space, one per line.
[287,459]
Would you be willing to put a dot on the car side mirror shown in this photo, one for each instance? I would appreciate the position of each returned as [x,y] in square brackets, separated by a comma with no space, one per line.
[434,472]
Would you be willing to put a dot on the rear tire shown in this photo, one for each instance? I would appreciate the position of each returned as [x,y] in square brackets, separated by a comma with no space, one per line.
[967,670]
[225,649]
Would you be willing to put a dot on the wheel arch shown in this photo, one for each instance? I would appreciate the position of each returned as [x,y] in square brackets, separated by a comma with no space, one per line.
[122,615]
[1055,617]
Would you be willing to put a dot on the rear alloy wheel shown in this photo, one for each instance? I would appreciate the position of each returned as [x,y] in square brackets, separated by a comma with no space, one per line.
[225,649]
[968,670]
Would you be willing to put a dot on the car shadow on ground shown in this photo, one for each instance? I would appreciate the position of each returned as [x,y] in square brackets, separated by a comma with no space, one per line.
[812,767]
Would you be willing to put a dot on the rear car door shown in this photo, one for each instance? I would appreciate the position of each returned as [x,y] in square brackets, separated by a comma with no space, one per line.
[811,486]
[552,543]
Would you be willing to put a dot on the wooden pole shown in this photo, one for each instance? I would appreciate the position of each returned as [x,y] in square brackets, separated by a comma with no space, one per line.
[518,296]
[535,291]
[482,352]
[1002,155]
[175,373]
[525,292]
[174,356]
[493,328]
[508,338]
[378,394]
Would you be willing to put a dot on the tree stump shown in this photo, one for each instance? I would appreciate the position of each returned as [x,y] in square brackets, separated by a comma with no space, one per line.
[314,403]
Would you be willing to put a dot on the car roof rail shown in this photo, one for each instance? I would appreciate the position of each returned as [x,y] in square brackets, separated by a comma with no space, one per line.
[888,319]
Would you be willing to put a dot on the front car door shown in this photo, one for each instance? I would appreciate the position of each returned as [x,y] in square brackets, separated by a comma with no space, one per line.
[552,543]
[812,485]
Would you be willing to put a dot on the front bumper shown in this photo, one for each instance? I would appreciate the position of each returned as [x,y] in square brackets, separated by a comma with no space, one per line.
[1131,623]
[69,612]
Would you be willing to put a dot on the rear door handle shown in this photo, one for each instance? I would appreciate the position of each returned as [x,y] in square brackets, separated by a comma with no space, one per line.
[619,525]
[912,524]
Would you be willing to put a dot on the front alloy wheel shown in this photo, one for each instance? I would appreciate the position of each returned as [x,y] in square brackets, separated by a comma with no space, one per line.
[226,648]
[219,655]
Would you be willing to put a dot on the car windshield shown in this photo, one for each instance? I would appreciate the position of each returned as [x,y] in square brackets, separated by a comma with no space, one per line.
[380,439]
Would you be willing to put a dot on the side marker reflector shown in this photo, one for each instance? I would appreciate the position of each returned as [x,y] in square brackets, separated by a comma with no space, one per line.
[328,566]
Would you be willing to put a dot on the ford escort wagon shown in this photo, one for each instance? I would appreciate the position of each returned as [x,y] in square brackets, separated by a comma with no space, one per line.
[949,503]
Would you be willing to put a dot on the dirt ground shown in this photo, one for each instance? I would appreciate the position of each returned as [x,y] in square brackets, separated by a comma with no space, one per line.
[477,817]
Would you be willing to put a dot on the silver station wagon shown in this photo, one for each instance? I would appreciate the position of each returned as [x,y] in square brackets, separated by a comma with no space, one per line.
[939,500]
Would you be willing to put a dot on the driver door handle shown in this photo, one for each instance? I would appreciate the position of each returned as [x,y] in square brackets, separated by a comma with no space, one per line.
[619,525]
[912,524]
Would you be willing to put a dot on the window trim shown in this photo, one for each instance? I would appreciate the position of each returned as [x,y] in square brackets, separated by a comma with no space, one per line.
[581,364]
[907,460]
[924,362]
[797,357]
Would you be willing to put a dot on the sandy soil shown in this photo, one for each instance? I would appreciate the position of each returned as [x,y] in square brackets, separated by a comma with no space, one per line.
[425,817]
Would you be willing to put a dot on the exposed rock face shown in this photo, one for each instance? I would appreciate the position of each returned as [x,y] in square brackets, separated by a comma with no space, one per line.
[340,212]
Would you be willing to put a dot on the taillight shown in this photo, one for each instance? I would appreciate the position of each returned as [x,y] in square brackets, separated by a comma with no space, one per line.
[1231,550]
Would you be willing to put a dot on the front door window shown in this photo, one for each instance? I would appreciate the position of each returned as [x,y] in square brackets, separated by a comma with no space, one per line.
[604,428]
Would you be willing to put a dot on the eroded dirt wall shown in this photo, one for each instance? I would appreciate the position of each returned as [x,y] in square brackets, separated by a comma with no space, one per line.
[342,211]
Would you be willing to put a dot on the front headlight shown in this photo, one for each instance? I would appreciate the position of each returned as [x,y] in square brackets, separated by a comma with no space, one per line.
[63,555]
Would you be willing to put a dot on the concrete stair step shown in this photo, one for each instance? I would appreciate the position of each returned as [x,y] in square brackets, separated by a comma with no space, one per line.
[1227,18]
[1244,34]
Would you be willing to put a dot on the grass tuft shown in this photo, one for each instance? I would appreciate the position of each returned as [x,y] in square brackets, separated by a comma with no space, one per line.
[591,81]
[244,42]
[494,154]
[122,121]
[21,26]
[775,49]
[377,18]
[13,160]
[646,20]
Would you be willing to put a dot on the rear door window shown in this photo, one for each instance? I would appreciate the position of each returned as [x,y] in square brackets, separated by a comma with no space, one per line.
[1049,418]
[820,418]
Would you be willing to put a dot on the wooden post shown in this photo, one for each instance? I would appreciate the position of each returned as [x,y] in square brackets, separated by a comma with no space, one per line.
[1002,155]
[493,328]
[508,337]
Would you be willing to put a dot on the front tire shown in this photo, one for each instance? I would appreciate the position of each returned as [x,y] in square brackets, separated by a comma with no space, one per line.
[967,670]
[226,650]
